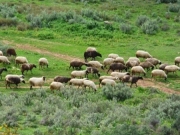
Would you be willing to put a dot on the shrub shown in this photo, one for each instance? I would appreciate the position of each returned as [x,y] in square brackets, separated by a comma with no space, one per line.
[165,27]
[8,22]
[167,1]
[43,36]
[150,27]
[126,28]
[176,123]
[141,20]
[7,11]
[173,8]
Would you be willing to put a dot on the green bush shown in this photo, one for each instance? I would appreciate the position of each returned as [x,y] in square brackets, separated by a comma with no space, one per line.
[7,11]
[141,20]
[174,8]
[167,1]
[126,28]
[150,27]
[8,21]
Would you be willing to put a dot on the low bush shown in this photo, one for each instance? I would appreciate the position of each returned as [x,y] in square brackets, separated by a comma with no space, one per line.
[126,28]
[141,20]
[173,8]
[150,27]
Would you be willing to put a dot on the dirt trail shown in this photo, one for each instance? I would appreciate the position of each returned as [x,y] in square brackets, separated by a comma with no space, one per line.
[143,83]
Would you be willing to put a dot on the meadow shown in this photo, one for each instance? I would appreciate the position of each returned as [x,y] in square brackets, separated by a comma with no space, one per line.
[61,30]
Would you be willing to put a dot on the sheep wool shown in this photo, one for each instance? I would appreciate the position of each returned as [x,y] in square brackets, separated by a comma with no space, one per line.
[4,59]
[158,73]
[90,84]
[36,81]
[56,86]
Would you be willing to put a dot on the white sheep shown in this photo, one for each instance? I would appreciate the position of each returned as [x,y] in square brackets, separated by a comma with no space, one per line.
[177,60]
[108,61]
[36,81]
[113,55]
[80,74]
[43,62]
[138,69]
[154,61]
[106,77]
[20,60]
[119,74]
[171,68]
[77,82]
[108,81]
[143,54]
[158,73]
[4,59]
[134,59]
[13,75]
[120,60]
[91,49]
[1,53]
[95,64]
[90,84]
[56,86]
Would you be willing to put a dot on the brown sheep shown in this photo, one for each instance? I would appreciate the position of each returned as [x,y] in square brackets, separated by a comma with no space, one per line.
[117,66]
[11,51]
[76,64]
[147,65]
[62,79]
[132,79]
[27,66]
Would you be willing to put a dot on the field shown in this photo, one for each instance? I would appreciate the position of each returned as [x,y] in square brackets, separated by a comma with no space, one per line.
[61,30]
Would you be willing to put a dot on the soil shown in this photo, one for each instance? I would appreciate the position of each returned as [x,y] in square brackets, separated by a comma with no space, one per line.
[142,83]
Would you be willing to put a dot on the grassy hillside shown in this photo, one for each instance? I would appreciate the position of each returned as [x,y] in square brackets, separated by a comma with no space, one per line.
[61,30]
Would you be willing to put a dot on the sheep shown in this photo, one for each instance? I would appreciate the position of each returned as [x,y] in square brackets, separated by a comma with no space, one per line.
[91,54]
[76,64]
[119,75]
[81,74]
[37,81]
[108,61]
[158,73]
[117,66]
[13,75]
[11,51]
[94,71]
[56,86]
[1,53]
[108,82]
[143,54]
[171,68]
[62,79]
[154,61]
[131,63]
[147,65]
[113,55]
[119,60]
[90,84]
[20,60]
[134,59]
[138,69]
[95,64]
[43,62]
[131,79]
[162,66]
[1,70]
[77,82]
[4,60]
[106,77]
[27,66]
[91,49]
[13,80]
[177,60]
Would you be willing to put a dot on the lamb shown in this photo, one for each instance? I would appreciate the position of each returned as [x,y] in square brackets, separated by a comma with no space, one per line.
[177,60]
[143,54]
[56,86]
[1,70]
[113,55]
[106,77]
[162,66]
[138,69]
[91,49]
[4,60]
[94,71]
[36,81]
[90,84]
[119,60]
[81,74]
[117,66]
[1,53]
[108,82]
[158,73]
[154,61]
[62,79]
[43,62]
[13,80]
[20,60]
[132,79]
[77,82]
[119,75]
[11,51]
[76,64]
[108,61]
[95,64]
[171,68]
[147,65]
[27,66]
[91,54]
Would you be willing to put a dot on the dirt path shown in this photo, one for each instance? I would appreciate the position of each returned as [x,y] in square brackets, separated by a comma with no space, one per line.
[144,83]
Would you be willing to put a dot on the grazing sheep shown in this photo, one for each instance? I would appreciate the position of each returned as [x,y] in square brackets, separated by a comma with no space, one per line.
[108,61]
[13,80]
[90,84]
[119,74]
[36,81]
[91,49]
[56,86]
[76,64]
[95,64]
[113,55]
[106,77]
[131,63]
[77,82]
[11,51]
[27,66]
[134,59]
[143,54]
[91,54]
[62,79]
[13,75]
[1,70]
[131,79]
[43,62]
[119,60]
[117,66]
[162,66]
[1,53]
[138,69]
[20,60]
[158,73]
[81,74]
[4,60]
[147,65]
[171,68]
[93,71]
[177,60]
[154,61]
[108,82]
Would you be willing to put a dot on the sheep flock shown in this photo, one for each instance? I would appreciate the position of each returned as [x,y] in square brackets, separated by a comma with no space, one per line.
[109,71]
